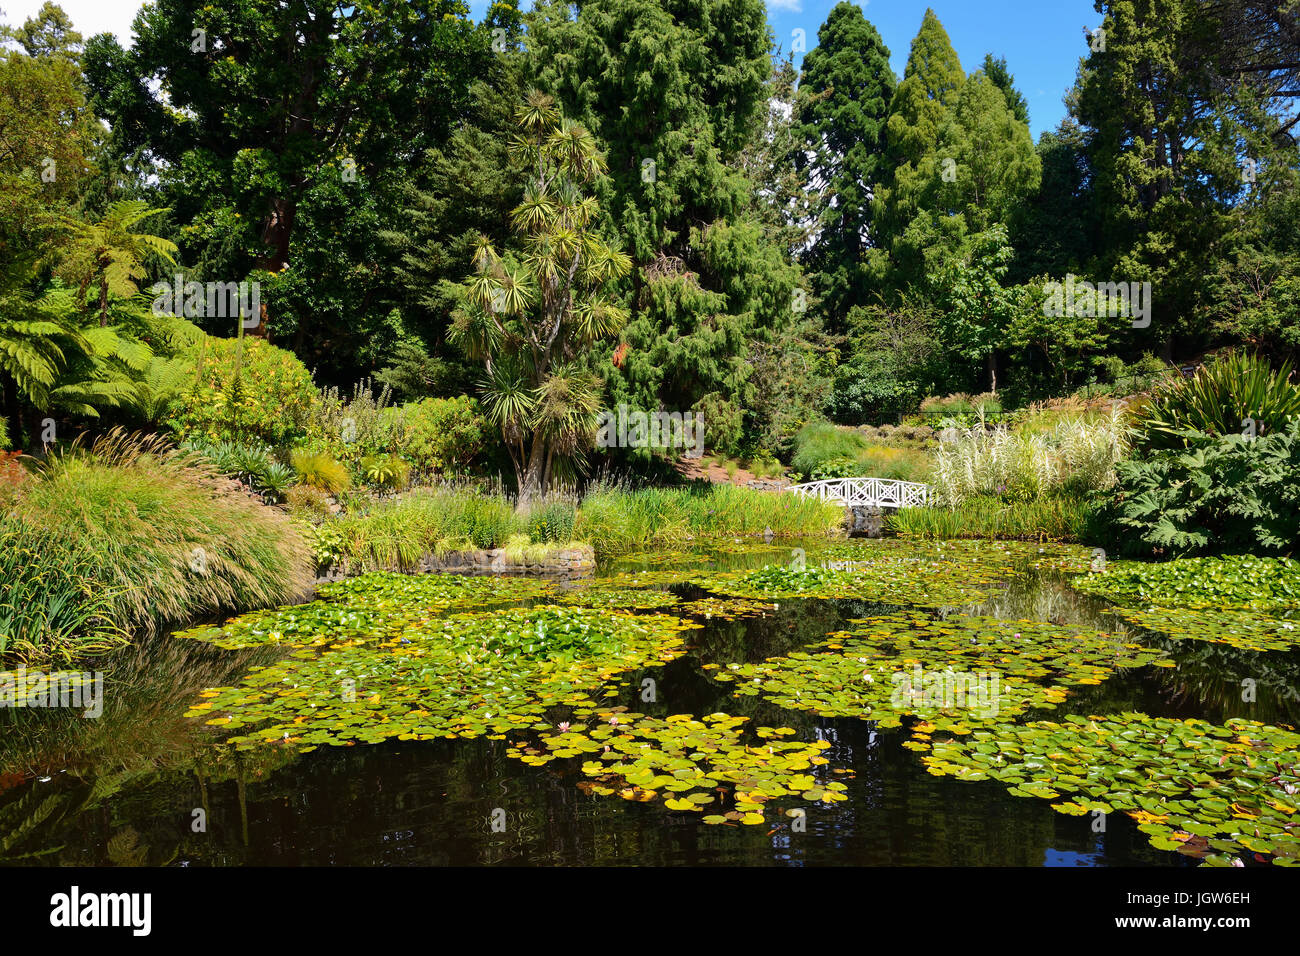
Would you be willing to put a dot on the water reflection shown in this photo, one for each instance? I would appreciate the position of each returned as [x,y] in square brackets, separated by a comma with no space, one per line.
[124,789]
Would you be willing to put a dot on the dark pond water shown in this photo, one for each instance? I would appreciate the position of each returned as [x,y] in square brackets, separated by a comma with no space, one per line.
[125,789]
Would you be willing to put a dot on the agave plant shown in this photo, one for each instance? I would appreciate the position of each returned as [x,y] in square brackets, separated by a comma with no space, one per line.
[274,481]
[1239,393]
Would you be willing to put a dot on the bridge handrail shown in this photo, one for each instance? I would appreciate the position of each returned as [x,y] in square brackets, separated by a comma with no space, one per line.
[889,492]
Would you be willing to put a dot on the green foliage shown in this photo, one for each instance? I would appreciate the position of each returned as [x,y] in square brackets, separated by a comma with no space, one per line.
[149,528]
[242,390]
[1229,495]
[820,442]
[385,471]
[552,520]
[995,68]
[614,520]
[1057,518]
[843,103]
[966,409]
[396,535]
[530,321]
[1233,580]
[109,256]
[53,607]
[275,175]
[439,435]
[1237,393]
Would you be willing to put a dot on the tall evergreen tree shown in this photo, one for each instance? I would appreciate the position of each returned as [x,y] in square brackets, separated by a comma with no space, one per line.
[1167,148]
[918,113]
[675,90]
[844,97]
[995,68]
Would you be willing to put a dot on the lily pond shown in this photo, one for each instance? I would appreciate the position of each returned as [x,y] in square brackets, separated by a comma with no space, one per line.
[864,702]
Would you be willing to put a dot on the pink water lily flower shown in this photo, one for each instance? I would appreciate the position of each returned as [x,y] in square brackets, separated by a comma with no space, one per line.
[564,727]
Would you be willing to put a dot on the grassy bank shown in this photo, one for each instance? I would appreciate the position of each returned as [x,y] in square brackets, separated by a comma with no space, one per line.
[613,520]
[618,521]
[1043,519]
[132,535]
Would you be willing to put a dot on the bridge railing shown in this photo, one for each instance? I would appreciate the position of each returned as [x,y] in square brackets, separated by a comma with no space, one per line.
[867,492]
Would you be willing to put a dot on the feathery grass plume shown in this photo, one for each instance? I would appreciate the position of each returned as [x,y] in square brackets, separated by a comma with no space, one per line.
[1076,456]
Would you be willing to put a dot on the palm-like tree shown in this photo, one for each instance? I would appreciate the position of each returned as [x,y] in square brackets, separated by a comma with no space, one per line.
[531,316]
[108,256]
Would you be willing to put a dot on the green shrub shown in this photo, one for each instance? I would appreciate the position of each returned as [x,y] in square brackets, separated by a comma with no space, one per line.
[152,527]
[440,435]
[242,390]
[319,470]
[385,471]
[821,442]
[1226,397]
[1228,495]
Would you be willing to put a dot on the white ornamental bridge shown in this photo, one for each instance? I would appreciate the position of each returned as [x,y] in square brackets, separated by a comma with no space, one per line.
[877,493]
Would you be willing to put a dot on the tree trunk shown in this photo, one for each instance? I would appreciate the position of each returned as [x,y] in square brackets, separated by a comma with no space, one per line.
[277,234]
[13,413]
[532,480]
[993,372]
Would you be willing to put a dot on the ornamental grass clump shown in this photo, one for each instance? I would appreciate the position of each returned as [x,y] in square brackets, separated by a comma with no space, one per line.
[158,532]
[1076,457]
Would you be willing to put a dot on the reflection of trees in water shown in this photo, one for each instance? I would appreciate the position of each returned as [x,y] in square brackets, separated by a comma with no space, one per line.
[147,688]
[142,769]
[1207,682]
[1046,596]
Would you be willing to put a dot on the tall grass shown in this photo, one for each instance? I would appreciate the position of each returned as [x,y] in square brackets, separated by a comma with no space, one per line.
[158,532]
[819,442]
[1047,519]
[613,519]
[616,520]
[1077,456]
[396,535]
[51,607]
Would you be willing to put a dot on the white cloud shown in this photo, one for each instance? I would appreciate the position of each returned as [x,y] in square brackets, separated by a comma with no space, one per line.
[793,6]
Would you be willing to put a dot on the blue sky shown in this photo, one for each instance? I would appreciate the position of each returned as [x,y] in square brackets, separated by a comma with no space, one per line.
[1041,39]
